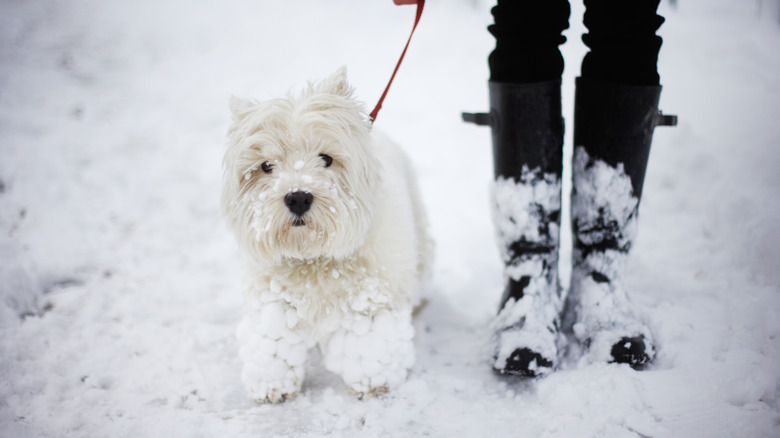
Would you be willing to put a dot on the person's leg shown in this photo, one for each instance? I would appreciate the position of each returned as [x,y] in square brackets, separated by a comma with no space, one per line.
[527,127]
[616,111]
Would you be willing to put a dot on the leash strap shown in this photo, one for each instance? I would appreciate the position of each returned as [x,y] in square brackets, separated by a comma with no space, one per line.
[420,4]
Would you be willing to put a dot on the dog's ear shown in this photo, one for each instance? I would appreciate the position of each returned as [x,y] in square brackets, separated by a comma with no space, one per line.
[337,83]
[239,107]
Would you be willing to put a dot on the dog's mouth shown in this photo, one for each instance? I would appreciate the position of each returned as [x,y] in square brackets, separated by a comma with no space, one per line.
[299,222]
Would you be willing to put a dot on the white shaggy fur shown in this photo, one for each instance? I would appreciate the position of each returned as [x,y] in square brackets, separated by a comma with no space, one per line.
[348,278]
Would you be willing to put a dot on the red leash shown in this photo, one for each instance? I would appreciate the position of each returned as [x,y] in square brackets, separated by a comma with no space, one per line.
[420,4]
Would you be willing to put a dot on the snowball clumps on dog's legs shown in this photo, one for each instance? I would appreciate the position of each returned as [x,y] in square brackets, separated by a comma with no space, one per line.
[372,354]
[272,353]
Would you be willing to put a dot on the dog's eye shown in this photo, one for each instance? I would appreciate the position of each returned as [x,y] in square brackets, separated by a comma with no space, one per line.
[267,167]
[327,159]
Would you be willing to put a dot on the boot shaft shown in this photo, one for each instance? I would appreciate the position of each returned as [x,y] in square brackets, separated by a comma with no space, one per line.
[614,123]
[613,131]
[527,128]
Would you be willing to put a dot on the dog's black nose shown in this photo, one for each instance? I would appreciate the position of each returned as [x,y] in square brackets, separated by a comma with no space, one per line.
[298,202]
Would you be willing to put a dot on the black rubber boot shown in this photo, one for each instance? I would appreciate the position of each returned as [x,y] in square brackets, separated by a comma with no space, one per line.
[527,129]
[613,130]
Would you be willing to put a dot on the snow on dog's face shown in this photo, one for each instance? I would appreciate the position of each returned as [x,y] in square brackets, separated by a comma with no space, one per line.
[300,176]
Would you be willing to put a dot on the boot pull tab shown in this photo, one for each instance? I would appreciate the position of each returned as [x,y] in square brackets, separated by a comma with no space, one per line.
[485,119]
[662,119]
[480,119]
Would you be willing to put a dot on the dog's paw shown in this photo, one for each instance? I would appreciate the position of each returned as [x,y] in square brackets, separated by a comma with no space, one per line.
[372,354]
[373,392]
[272,383]
[275,397]
[272,354]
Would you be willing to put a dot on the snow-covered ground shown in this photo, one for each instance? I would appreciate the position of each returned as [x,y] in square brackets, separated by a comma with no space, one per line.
[120,284]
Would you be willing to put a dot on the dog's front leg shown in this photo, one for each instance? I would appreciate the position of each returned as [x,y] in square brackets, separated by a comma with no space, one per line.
[372,354]
[272,352]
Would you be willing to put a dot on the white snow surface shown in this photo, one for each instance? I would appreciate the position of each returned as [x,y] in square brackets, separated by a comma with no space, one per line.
[113,119]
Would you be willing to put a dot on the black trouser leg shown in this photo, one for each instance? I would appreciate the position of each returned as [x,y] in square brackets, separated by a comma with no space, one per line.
[528,33]
[622,40]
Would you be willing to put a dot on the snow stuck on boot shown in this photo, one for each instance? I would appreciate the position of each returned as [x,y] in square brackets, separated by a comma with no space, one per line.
[604,218]
[527,217]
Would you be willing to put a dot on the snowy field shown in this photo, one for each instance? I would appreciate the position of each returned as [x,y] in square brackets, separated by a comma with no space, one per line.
[120,284]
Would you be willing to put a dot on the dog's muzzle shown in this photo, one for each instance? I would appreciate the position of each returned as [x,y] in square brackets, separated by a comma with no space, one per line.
[298,203]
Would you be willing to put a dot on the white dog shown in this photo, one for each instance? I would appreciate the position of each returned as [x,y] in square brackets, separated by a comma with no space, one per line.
[334,236]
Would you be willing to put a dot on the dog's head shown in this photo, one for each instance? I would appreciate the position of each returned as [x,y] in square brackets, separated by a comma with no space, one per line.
[300,176]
